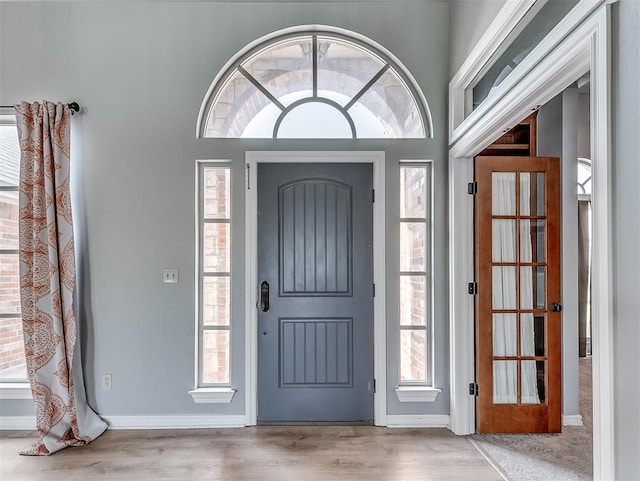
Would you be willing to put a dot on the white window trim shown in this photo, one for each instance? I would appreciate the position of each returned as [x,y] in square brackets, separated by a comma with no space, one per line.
[579,46]
[377,159]
[428,385]
[584,197]
[221,395]
[7,111]
[505,22]
[405,74]
[206,394]
[414,394]
[15,390]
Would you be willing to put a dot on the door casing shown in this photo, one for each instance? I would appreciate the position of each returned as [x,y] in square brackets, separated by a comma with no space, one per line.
[582,49]
[252,159]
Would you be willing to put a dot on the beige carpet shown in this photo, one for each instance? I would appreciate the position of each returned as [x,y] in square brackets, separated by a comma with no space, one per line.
[544,457]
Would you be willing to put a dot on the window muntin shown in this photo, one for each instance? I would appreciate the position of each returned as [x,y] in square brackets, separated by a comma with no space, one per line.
[354,65]
[415,275]
[368,88]
[214,318]
[328,122]
[12,360]
[290,60]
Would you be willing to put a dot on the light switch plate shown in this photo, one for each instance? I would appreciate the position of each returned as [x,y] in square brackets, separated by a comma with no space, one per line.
[170,276]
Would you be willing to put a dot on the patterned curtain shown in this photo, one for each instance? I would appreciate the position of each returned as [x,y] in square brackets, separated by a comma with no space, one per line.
[47,281]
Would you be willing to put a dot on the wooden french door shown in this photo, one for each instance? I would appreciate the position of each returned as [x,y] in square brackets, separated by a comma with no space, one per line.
[518,319]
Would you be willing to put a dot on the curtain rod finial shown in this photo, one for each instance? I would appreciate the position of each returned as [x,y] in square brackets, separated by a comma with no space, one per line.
[74,107]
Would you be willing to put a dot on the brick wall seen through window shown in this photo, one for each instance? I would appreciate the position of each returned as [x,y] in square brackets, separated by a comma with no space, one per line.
[415,279]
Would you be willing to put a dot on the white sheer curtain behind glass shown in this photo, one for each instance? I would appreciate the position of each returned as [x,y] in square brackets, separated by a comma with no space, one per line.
[504,291]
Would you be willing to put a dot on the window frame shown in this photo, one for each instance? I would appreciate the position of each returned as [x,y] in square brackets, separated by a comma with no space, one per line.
[269,40]
[12,388]
[532,13]
[210,392]
[513,16]
[428,278]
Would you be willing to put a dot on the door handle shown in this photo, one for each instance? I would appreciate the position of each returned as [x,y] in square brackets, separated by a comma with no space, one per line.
[555,307]
[264,296]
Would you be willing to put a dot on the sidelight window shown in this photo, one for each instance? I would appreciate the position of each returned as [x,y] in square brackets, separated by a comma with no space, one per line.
[415,274]
[214,300]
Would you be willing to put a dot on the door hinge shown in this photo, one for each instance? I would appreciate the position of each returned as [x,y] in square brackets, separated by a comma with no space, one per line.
[248,177]
[374,386]
[374,290]
[472,188]
[473,389]
[373,195]
[472,288]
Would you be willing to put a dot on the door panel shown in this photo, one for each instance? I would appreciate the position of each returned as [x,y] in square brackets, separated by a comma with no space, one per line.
[518,336]
[315,352]
[315,238]
[315,348]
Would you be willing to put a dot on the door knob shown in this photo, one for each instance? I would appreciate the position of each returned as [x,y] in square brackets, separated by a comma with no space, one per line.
[555,307]
[264,296]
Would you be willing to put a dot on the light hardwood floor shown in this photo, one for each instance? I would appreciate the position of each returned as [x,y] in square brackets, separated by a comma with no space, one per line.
[318,453]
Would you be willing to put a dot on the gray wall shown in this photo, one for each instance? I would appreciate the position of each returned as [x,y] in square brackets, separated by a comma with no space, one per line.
[584,125]
[140,71]
[558,137]
[626,235]
[469,20]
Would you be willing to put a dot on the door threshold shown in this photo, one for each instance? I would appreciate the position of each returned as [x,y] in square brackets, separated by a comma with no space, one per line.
[315,423]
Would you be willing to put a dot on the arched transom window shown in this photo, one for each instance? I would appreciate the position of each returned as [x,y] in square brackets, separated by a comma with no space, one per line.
[314,84]
[584,176]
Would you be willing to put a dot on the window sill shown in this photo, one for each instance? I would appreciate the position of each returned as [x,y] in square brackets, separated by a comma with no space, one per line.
[15,390]
[417,394]
[221,395]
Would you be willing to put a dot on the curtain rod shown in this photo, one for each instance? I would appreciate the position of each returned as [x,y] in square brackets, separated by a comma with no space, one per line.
[74,106]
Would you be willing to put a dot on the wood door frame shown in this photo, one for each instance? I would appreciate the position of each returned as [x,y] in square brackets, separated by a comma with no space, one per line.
[586,48]
[501,418]
[377,160]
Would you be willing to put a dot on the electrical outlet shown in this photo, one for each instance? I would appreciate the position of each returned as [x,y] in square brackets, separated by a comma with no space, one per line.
[106,381]
[170,276]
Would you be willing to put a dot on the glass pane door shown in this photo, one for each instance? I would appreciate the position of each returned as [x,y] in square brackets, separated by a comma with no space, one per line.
[518,239]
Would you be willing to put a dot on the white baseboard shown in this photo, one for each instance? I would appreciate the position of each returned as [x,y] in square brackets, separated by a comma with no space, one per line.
[572,420]
[418,420]
[28,423]
[219,421]
[175,422]
[17,423]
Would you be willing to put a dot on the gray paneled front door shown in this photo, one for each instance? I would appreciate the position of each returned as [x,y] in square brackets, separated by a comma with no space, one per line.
[315,348]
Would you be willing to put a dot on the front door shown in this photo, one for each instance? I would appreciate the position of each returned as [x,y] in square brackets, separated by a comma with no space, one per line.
[315,347]
[518,321]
